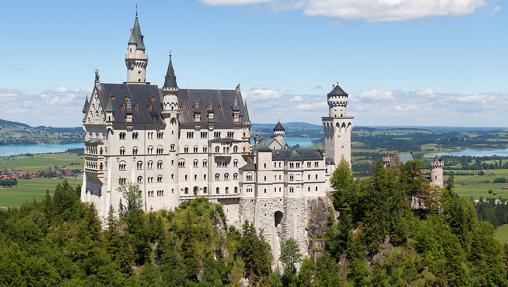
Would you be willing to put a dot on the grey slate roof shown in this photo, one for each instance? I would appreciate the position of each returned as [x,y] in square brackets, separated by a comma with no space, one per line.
[170,79]
[199,101]
[278,127]
[136,36]
[85,106]
[337,91]
[297,154]
[144,100]
[250,164]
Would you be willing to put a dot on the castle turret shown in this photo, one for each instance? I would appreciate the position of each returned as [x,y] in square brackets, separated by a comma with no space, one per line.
[436,172]
[279,133]
[136,60]
[337,127]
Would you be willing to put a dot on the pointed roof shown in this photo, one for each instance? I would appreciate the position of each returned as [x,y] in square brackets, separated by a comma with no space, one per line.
[170,79]
[235,105]
[246,110]
[136,36]
[337,91]
[278,127]
[86,105]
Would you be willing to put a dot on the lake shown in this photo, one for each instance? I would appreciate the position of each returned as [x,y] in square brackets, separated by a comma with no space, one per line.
[472,152]
[8,150]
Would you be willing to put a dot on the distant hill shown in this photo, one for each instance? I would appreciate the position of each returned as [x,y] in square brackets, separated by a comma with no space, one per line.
[12,133]
[293,129]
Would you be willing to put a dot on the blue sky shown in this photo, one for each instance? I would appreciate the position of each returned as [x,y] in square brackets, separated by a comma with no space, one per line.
[404,62]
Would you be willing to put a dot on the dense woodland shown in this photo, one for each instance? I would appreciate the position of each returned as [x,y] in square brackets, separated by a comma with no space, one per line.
[378,240]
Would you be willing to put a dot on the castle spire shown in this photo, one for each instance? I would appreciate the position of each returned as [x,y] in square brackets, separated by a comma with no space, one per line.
[136,59]
[136,36]
[170,79]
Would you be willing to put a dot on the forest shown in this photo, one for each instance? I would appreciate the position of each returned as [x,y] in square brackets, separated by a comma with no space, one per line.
[377,240]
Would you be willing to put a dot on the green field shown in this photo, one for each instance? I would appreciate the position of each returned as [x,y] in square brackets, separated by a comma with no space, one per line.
[502,233]
[29,189]
[42,161]
[478,186]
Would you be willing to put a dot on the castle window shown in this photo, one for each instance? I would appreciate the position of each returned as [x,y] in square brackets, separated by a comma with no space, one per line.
[308,188]
[186,149]
[216,134]
[264,165]
[280,164]
[172,147]
[217,176]
[186,177]
[217,149]
[196,162]
[204,176]
[186,190]
[235,149]
[217,190]
[140,179]
[226,176]
[265,190]
[205,149]
[235,176]
[195,149]
[159,164]
[160,135]
[227,190]
[309,164]
[160,150]
[204,135]
[122,135]
[231,134]
[122,165]
[205,163]
[316,164]
[150,193]
[235,163]
[249,176]
[291,190]
[122,151]
[135,150]
[205,189]
[316,176]
[150,150]
[190,135]
[135,135]
[265,177]
[160,192]
[181,163]
[316,188]
[139,165]
[150,179]
[159,178]
[122,180]
[308,176]
[291,177]
[149,164]
[195,177]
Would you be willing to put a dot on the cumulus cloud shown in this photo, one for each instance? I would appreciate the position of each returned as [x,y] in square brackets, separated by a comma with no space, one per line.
[59,106]
[371,10]
[261,94]
[376,95]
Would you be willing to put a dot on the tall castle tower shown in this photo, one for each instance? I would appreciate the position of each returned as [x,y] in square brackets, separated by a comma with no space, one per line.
[279,133]
[337,127]
[436,172]
[170,113]
[136,60]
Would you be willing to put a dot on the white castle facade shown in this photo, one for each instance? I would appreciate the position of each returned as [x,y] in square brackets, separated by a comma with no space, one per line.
[178,144]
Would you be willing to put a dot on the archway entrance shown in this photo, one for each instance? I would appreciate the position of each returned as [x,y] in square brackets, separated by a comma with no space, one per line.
[278,218]
[195,190]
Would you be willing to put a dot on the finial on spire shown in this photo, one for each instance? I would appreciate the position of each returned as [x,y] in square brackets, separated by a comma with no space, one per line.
[170,55]
[97,76]
[136,10]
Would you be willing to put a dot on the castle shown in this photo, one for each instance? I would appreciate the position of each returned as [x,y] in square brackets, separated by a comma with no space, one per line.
[177,144]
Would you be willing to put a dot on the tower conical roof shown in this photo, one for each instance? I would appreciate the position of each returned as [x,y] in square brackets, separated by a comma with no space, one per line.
[136,36]
[278,127]
[109,107]
[337,91]
[246,114]
[170,79]
[86,105]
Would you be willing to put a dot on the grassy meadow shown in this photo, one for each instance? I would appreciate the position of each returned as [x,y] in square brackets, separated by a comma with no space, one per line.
[42,161]
[477,186]
[502,233]
[30,189]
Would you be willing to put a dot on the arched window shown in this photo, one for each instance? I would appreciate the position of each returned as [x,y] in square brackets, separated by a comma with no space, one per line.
[159,178]
[205,149]
[217,176]
[205,189]
[217,190]
[217,149]
[140,179]
[122,151]
[172,147]
[159,164]
[122,135]
[226,176]
[235,176]
[235,149]
[139,165]
[205,163]
[160,150]
[249,176]
[196,163]
[227,190]
[186,149]
[291,177]
[186,190]
[195,149]
[150,149]
[149,164]
[181,162]
[173,121]
[291,190]
[236,189]
[122,165]
[135,135]
[235,163]
[135,150]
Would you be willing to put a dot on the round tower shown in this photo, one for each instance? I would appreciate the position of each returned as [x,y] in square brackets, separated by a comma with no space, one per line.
[136,59]
[337,102]
[279,133]
[436,172]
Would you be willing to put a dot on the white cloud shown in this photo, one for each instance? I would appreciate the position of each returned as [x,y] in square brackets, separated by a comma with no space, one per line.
[316,106]
[426,92]
[371,10]
[261,94]
[296,99]
[376,95]
[496,9]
